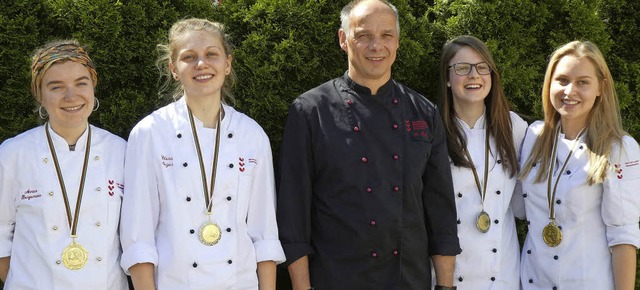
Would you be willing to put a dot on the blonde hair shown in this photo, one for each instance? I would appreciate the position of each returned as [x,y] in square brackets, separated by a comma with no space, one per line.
[604,125]
[54,52]
[168,54]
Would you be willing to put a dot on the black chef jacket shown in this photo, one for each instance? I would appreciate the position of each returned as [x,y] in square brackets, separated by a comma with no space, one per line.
[364,187]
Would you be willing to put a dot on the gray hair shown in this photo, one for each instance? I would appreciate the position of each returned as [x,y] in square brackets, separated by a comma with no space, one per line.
[345,14]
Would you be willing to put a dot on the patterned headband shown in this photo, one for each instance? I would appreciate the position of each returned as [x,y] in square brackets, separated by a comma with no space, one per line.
[58,52]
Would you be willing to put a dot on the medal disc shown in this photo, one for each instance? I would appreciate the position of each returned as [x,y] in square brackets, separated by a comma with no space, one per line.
[74,256]
[210,234]
[483,222]
[552,235]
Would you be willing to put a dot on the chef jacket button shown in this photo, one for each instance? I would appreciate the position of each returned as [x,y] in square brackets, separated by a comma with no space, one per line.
[498,192]
[349,102]
[374,254]
[356,129]
[195,265]
[395,126]
[568,172]
[581,147]
[96,158]
[188,198]
[496,221]
[396,157]
[55,228]
[555,257]
[460,194]
[228,198]
[230,165]
[460,278]
[364,160]
[230,262]
[395,101]
[369,189]
[179,135]
[58,262]
[530,281]
[529,252]
[396,188]
[185,164]
[554,288]
[99,259]
[494,250]
[98,188]
[459,222]
[524,194]
[50,193]
[192,231]
[499,161]
[98,224]
[558,201]
[560,227]
[493,278]
[395,252]
[373,223]
[45,160]
[533,165]
[228,230]
[230,135]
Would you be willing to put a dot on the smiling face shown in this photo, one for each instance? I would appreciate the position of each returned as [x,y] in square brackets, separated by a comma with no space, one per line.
[470,89]
[67,95]
[371,43]
[574,89]
[201,64]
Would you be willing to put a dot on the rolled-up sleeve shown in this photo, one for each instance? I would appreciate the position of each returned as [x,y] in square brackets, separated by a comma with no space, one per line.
[294,194]
[261,220]
[621,200]
[439,203]
[140,205]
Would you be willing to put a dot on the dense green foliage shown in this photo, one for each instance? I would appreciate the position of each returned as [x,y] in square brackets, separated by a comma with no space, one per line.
[285,47]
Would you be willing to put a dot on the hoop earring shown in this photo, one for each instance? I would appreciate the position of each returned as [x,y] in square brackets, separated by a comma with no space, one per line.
[96,104]
[43,115]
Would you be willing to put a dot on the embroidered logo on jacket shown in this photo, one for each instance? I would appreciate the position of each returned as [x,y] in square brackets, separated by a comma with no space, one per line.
[111,186]
[167,161]
[242,165]
[618,170]
[29,194]
[417,128]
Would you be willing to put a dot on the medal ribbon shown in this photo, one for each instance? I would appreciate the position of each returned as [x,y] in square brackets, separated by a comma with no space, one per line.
[73,223]
[208,194]
[551,194]
[482,190]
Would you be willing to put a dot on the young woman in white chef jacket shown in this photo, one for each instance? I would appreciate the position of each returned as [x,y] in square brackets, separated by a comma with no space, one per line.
[184,225]
[483,137]
[61,184]
[580,180]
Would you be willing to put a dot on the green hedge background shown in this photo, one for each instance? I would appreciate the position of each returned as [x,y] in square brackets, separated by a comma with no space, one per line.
[285,47]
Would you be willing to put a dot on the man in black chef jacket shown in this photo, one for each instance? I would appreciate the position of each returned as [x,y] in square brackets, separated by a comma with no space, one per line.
[365,199]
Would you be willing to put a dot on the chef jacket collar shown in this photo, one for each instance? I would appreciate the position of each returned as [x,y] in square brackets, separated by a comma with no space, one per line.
[61,144]
[478,125]
[362,90]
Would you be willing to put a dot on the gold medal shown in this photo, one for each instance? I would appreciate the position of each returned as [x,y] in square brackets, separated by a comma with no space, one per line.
[552,235]
[483,222]
[209,234]
[74,256]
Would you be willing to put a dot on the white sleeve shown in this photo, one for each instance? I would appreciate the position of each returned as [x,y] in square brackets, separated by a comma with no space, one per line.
[7,200]
[621,198]
[140,205]
[261,216]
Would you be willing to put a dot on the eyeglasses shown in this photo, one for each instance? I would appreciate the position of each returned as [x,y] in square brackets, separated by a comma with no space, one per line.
[463,68]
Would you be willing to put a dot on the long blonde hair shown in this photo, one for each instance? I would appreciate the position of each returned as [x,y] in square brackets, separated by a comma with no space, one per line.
[604,125]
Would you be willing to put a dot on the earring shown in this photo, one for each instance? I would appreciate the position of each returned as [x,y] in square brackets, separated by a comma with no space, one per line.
[448,84]
[96,104]
[43,115]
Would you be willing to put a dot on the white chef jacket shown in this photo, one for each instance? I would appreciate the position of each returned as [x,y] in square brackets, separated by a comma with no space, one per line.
[593,218]
[33,222]
[164,206]
[488,260]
